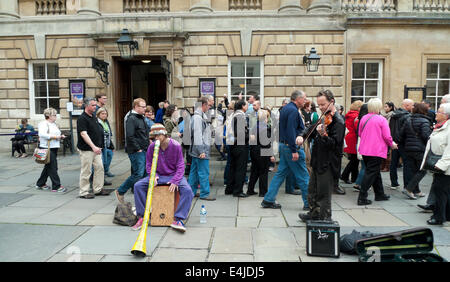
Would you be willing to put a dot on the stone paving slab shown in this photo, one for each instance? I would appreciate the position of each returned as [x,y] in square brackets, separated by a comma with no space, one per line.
[43,201]
[75,258]
[212,221]
[232,240]
[248,221]
[21,214]
[274,238]
[179,255]
[195,238]
[124,258]
[72,213]
[277,254]
[9,198]
[24,242]
[115,240]
[344,218]
[230,258]
[13,189]
[373,217]
[99,220]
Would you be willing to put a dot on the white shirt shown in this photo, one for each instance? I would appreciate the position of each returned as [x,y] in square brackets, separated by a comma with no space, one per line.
[47,129]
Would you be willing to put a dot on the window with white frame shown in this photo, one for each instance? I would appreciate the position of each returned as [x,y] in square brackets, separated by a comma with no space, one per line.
[438,81]
[245,76]
[44,86]
[366,80]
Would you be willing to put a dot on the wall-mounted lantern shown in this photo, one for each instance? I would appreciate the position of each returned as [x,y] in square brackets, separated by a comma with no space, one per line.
[127,45]
[312,61]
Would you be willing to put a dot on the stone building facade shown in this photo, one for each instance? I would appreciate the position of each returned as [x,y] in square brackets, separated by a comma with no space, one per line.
[368,48]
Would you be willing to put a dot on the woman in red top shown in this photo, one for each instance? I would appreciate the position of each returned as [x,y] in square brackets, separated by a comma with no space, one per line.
[350,140]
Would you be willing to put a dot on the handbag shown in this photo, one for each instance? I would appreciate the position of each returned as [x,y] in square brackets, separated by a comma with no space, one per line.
[430,162]
[42,156]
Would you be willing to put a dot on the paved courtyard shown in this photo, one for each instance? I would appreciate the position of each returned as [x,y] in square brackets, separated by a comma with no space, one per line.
[43,226]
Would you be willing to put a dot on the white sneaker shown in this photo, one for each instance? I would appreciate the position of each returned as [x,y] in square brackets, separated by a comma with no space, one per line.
[395,187]
[409,194]
[45,187]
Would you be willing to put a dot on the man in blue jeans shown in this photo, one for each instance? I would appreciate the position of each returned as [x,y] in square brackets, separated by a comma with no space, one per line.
[200,150]
[292,156]
[136,144]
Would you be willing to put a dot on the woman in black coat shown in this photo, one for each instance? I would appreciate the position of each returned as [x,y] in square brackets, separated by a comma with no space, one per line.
[415,134]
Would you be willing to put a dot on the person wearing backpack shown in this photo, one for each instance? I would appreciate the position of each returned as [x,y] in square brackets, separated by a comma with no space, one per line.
[200,150]
[415,136]
[396,123]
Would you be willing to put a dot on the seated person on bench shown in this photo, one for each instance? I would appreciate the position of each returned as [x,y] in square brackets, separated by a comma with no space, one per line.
[22,138]
[169,171]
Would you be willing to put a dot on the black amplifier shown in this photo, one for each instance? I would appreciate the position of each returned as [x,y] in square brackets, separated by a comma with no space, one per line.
[322,238]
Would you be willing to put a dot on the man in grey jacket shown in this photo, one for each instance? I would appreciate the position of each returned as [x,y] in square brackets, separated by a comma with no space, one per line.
[200,150]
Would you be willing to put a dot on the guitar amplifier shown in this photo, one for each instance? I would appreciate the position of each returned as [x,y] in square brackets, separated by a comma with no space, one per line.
[322,238]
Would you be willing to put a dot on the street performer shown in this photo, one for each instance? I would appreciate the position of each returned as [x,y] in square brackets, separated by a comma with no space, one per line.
[169,171]
[328,139]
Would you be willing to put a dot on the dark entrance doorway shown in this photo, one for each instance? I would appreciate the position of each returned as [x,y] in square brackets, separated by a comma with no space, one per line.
[137,78]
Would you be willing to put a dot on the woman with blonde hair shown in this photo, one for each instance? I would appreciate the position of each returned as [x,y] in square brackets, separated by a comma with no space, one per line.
[375,139]
[108,146]
[49,137]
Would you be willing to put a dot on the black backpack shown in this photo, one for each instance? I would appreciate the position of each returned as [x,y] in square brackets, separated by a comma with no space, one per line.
[397,121]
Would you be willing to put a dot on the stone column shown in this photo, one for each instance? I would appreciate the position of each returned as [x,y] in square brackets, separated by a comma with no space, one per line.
[89,7]
[321,6]
[201,6]
[287,6]
[9,9]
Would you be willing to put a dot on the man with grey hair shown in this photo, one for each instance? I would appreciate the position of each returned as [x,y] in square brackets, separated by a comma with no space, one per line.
[398,119]
[445,99]
[292,155]
[200,150]
[90,143]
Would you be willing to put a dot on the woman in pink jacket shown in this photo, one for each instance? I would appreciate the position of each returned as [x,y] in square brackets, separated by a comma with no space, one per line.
[375,139]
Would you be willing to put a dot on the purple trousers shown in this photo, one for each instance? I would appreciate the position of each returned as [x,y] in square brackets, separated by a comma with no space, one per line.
[184,205]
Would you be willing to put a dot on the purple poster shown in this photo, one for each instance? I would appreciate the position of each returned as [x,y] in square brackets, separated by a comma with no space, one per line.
[77,95]
[207,87]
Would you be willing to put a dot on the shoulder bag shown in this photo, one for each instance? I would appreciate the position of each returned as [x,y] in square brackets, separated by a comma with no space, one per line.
[430,162]
[42,156]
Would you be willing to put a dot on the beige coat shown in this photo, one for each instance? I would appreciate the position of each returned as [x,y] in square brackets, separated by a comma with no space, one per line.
[440,145]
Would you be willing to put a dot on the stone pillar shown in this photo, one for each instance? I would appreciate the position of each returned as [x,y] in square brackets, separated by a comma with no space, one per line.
[89,7]
[9,9]
[287,6]
[405,6]
[201,6]
[321,6]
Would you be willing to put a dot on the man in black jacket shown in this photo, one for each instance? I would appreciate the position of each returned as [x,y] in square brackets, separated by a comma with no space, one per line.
[414,136]
[239,148]
[325,158]
[398,119]
[136,144]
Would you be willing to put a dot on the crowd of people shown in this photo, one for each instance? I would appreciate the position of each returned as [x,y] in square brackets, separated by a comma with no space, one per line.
[308,148]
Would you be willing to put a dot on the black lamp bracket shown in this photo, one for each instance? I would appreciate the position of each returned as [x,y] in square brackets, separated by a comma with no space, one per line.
[102,69]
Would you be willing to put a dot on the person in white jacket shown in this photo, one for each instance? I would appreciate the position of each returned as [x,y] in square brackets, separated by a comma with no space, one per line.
[49,132]
[439,144]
